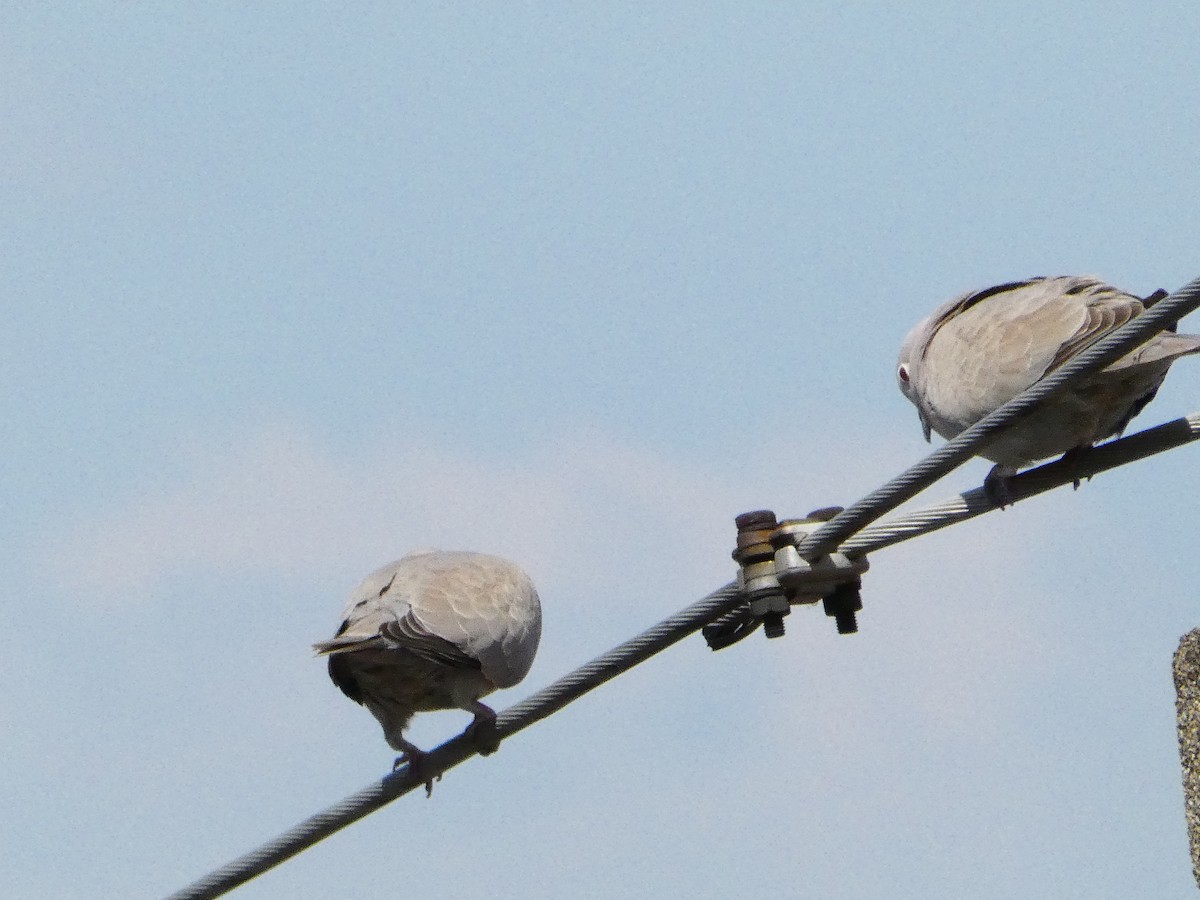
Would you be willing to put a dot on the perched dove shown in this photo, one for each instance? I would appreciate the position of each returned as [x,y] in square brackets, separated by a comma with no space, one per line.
[437,629]
[979,350]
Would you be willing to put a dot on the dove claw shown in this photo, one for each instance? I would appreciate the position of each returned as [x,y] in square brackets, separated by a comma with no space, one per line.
[997,486]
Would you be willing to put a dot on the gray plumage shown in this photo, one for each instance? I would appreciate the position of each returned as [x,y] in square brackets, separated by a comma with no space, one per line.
[435,630]
[979,350]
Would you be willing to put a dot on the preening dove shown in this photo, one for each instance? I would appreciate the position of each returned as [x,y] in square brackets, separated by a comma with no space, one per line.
[435,630]
[979,350]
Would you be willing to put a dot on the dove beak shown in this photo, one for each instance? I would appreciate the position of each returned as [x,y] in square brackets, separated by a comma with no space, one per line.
[925,427]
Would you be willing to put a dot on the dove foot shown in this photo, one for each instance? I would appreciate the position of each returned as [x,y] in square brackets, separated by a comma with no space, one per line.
[997,486]
[1071,459]
[482,731]
[413,757]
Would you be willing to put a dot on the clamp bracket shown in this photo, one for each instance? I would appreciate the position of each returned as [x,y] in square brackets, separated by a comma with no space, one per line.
[774,576]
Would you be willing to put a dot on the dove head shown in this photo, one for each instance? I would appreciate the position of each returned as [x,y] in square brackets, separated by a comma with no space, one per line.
[909,364]
[908,367]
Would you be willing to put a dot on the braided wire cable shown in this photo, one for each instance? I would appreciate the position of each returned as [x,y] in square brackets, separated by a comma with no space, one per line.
[1052,475]
[722,604]
[545,702]
[949,456]
[737,624]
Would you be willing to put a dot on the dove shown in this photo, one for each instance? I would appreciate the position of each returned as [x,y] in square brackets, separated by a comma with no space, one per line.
[980,349]
[438,629]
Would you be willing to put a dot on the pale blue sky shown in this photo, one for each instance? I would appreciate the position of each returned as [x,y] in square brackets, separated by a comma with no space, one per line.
[290,290]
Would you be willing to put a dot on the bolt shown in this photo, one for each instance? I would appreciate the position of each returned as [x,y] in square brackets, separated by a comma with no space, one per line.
[842,603]
[847,621]
[773,624]
[759,518]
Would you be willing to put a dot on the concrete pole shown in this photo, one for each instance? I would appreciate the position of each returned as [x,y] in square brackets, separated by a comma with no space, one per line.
[1186,669]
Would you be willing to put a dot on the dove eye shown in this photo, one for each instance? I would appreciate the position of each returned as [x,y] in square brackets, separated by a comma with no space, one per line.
[902,374]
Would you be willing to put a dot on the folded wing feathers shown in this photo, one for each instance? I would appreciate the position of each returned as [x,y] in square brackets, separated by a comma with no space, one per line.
[407,632]
[1099,320]
[459,609]
[958,305]
[488,608]
[979,296]
[1043,303]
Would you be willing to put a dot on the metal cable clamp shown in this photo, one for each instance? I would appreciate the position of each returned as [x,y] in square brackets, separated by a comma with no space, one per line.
[773,577]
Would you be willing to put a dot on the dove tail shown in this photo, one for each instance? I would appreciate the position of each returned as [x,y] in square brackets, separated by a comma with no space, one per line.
[1179,344]
[346,645]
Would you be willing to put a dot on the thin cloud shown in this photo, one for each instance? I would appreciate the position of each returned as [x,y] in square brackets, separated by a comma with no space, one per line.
[621,535]
[276,503]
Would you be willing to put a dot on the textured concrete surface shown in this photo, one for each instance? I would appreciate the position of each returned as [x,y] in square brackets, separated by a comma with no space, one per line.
[1187,710]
